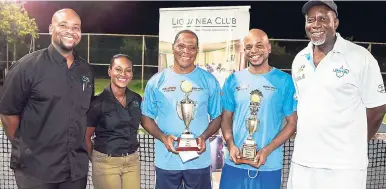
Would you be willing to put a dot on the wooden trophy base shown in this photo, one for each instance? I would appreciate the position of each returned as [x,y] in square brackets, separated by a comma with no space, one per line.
[248,154]
[187,143]
[245,161]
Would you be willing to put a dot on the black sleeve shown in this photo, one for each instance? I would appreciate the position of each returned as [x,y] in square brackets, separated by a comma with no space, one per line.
[94,113]
[16,89]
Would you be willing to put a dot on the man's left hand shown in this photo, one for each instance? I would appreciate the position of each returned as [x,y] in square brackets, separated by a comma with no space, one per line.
[201,145]
[261,157]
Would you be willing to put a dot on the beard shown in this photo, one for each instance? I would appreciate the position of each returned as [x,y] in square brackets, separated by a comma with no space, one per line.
[63,48]
[319,41]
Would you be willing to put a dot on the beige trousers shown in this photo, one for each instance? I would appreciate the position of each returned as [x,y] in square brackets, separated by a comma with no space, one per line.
[115,172]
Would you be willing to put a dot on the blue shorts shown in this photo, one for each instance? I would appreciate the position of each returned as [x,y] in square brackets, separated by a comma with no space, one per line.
[236,178]
[183,179]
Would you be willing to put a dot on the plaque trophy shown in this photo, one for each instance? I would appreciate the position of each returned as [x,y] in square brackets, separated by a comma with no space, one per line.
[249,148]
[186,109]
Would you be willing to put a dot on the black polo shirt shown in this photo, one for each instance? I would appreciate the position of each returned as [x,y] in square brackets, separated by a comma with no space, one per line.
[52,101]
[115,126]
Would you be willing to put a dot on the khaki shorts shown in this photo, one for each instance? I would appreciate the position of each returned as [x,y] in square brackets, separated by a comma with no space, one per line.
[115,172]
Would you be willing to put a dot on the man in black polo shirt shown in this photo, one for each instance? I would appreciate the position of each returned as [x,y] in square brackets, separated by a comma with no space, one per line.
[43,109]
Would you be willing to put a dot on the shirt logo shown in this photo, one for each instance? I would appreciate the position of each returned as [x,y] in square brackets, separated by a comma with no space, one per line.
[85,82]
[269,88]
[197,89]
[169,89]
[299,73]
[381,88]
[242,87]
[340,71]
[300,69]
[295,96]
[136,104]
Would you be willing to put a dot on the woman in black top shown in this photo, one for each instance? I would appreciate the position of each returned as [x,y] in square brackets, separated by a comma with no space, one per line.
[114,116]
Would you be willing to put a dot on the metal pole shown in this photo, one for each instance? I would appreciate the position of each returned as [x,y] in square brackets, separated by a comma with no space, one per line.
[7,65]
[88,48]
[33,46]
[14,51]
[143,61]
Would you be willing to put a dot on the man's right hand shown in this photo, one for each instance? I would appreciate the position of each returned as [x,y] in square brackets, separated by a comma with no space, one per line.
[234,153]
[168,141]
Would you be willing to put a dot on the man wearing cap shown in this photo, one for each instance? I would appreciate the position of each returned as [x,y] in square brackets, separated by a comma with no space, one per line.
[341,102]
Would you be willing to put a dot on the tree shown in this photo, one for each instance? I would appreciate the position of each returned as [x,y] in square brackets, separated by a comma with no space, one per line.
[132,44]
[15,23]
[351,38]
[276,48]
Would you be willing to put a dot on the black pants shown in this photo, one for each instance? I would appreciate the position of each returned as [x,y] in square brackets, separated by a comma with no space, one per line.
[24,181]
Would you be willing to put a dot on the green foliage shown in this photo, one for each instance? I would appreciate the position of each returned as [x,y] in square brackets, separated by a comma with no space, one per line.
[351,38]
[276,48]
[135,85]
[15,22]
[131,44]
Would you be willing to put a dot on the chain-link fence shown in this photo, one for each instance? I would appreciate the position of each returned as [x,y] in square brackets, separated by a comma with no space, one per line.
[98,49]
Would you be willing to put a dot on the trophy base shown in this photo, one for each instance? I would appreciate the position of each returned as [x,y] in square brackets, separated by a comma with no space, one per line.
[248,154]
[187,143]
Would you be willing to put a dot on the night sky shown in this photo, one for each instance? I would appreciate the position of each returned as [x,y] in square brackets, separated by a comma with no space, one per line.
[365,21]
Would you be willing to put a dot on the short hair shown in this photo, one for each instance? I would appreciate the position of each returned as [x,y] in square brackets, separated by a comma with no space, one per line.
[119,56]
[185,31]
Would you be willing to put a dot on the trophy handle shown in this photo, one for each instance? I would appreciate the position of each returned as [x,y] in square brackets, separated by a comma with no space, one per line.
[178,109]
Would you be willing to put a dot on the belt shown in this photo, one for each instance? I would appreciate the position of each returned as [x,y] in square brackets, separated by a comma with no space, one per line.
[121,155]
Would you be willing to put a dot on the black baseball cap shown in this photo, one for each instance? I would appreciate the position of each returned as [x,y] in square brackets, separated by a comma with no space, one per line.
[311,3]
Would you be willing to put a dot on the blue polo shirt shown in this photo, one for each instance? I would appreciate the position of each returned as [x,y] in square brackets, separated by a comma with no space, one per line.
[162,93]
[278,101]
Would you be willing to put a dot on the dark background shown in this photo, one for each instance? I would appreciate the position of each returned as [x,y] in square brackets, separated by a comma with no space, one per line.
[365,21]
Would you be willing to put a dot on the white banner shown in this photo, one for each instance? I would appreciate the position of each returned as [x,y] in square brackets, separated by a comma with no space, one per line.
[220,31]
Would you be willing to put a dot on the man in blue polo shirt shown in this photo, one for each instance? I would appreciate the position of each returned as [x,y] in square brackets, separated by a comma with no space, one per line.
[162,94]
[275,94]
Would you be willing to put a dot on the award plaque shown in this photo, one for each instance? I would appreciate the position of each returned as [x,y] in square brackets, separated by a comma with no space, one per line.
[186,109]
[249,148]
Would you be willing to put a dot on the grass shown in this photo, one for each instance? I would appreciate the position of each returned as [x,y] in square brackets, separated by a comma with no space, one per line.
[135,85]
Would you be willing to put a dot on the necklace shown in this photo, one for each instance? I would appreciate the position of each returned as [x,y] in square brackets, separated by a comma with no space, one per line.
[121,101]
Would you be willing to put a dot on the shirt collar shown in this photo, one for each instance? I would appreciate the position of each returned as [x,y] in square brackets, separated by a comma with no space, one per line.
[60,58]
[110,95]
[339,46]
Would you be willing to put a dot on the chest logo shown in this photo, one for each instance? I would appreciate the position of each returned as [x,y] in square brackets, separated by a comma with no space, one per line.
[242,87]
[85,81]
[300,73]
[340,71]
[168,89]
[136,104]
[269,88]
[381,88]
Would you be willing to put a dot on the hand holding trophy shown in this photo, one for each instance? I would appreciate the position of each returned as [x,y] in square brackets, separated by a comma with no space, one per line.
[248,151]
[186,111]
